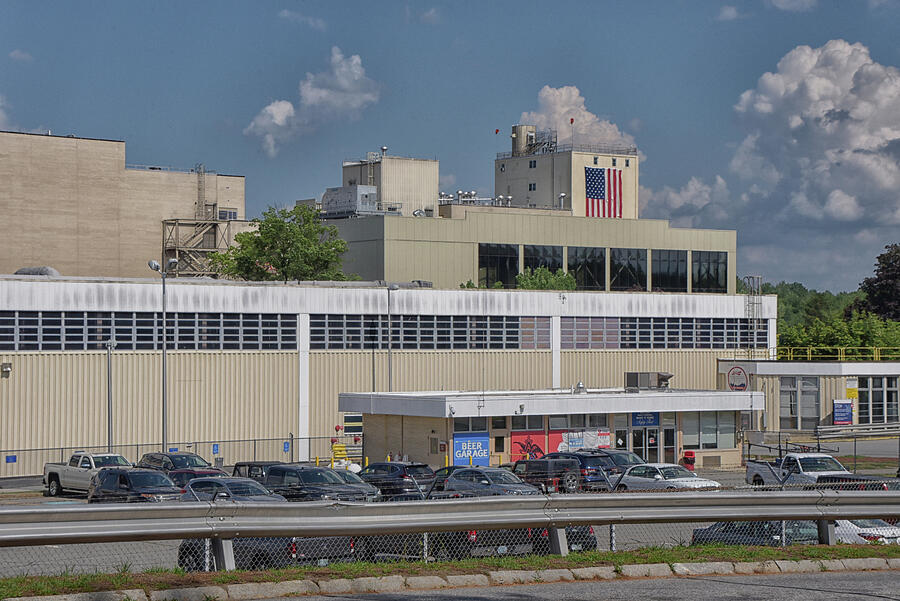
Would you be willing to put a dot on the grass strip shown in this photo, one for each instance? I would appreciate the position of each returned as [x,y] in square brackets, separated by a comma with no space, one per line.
[162,579]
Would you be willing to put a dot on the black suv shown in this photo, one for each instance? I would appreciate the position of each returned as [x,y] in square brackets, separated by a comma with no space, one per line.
[306,483]
[398,478]
[550,475]
[257,470]
[598,465]
[166,462]
[131,485]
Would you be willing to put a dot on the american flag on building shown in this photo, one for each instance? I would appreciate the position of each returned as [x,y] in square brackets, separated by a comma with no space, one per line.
[603,192]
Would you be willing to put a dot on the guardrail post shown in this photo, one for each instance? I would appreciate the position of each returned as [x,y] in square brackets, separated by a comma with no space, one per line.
[558,543]
[223,551]
[826,532]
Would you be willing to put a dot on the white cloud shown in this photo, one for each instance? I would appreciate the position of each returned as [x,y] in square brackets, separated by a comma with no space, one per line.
[430,16]
[21,56]
[794,5]
[295,17]
[559,105]
[728,13]
[819,161]
[341,93]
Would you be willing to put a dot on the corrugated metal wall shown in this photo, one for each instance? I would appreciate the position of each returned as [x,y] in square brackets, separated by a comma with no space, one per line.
[692,368]
[59,399]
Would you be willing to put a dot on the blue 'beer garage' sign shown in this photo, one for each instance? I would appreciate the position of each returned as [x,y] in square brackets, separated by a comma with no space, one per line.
[475,446]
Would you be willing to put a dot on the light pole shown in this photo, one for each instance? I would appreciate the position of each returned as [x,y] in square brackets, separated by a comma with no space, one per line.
[110,345]
[171,265]
[390,335]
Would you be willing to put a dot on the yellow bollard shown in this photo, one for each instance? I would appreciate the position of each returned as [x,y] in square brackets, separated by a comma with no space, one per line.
[367,461]
[387,457]
[317,461]
[332,463]
[446,460]
[470,461]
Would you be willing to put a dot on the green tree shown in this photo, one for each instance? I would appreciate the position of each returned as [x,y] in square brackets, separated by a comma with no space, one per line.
[882,290]
[543,279]
[287,244]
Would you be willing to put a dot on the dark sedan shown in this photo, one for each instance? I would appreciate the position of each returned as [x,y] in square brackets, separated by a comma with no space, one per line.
[131,485]
[233,489]
[488,481]
[398,478]
[302,483]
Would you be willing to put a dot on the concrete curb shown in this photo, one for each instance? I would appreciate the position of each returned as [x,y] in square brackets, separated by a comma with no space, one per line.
[383,584]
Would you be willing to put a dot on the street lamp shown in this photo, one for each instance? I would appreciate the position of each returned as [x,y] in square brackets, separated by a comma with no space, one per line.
[390,335]
[171,265]
[110,345]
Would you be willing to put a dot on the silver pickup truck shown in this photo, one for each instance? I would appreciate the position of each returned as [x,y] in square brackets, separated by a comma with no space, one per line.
[77,473]
[794,468]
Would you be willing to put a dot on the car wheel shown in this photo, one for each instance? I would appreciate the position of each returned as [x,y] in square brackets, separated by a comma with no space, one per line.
[622,487]
[570,483]
[757,481]
[53,487]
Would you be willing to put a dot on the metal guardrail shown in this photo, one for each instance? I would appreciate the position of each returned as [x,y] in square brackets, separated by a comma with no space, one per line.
[224,521]
[858,430]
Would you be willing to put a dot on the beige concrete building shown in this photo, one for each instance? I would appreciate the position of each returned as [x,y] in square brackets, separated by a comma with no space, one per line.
[540,173]
[405,183]
[489,244]
[73,204]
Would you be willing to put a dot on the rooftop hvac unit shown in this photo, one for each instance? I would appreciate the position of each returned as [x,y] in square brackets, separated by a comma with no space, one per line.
[646,380]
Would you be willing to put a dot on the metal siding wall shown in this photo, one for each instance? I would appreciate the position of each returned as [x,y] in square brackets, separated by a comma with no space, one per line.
[692,369]
[59,399]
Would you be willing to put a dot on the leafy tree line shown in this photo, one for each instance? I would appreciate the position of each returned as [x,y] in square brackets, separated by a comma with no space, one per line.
[868,317]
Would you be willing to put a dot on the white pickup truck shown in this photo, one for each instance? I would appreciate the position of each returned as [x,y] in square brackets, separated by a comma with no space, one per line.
[794,468]
[77,473]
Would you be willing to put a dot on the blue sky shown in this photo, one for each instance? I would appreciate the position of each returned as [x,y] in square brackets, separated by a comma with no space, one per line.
[806,165]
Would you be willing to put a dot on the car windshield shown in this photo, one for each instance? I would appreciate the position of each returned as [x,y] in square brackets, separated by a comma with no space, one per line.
[675,472]
[349,477]
[149,479]
[319,477]
[627,459]
[246,489]
[503,477]
[109,460]
[873,523]
[422,471]
[188,461]
[820,464]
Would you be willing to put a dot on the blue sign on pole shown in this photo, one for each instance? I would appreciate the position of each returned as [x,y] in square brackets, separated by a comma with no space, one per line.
[475,446]
[843,413]
[644,420]
[215,448]
[287,447]
[11,458]
[173,449]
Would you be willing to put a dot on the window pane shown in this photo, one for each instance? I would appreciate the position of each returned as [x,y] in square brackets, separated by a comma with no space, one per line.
[690,429]
[558,422]
[588,266]
[708,439]
[460,424]
[543,256]
[669,270]
[726,430]
[479,424]
[627,269]
[709,271]
[498,263]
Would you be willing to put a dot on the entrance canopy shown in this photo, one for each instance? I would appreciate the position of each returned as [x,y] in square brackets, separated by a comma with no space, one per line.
[545,402]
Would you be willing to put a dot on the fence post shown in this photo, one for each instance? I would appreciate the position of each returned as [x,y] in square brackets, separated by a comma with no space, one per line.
[558,543]
[223,551]
[826,532]
[612,537]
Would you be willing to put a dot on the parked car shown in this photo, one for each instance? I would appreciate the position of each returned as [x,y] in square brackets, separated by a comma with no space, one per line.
[796,532]
[397,477]
[131,485]
[352,479]
[309,483]
[228,487]
[794,468]
[661,476]
[550,475]
[258,470]
[597,465]
[182,477]
[78,472]
[256,553]
[441,475]
[179,460]
[488,481]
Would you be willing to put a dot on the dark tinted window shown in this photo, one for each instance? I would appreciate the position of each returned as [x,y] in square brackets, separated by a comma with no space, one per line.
[588,266]
[419,470]
[543,256]
[498,263]
[669,270]
[709,271]
[627,269]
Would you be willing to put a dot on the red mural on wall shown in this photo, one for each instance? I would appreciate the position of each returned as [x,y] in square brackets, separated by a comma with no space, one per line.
[527,445]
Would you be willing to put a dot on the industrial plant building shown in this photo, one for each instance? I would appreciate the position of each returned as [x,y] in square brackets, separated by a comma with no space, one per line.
[73,204]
